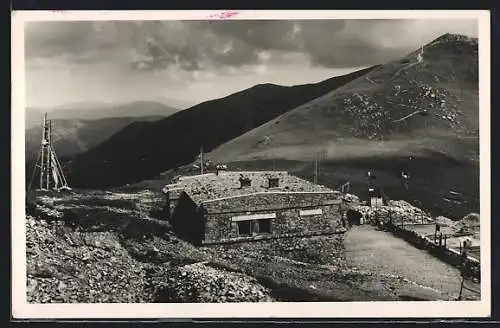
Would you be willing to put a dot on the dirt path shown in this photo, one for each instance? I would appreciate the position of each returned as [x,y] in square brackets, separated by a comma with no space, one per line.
[381,252]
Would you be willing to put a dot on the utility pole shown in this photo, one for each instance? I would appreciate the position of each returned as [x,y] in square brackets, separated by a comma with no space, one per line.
[318,167]
[201,159]
[315,177]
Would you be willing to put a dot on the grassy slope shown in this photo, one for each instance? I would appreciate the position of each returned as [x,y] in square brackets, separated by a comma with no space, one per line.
[351,129]
[143,150]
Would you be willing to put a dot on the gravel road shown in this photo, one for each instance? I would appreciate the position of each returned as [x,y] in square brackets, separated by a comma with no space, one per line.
[381,252]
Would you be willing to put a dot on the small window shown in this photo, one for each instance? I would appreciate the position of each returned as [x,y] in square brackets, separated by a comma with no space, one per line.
[254,227]
[244,228]
[274,182]
[245,182]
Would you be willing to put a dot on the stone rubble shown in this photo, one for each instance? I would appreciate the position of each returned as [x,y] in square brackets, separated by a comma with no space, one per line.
[399,211]
[65,266]
[199,282]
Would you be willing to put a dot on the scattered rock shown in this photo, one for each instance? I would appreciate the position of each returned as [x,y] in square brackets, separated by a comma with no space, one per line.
[200,283]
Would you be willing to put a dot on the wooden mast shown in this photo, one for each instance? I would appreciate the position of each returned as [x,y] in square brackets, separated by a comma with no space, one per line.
[50,168]
[48,156]
[315,168]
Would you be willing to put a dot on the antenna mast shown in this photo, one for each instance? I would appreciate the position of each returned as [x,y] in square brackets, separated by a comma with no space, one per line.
[316,168]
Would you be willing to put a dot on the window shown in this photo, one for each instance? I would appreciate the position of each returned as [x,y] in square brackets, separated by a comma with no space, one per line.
[253,227]
[245,182]
[244,228]
[273,182]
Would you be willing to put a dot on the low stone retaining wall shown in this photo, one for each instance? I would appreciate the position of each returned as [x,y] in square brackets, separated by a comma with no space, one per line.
[471,266]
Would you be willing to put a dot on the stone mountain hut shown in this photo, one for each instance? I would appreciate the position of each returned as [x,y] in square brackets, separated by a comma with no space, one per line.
[243,206]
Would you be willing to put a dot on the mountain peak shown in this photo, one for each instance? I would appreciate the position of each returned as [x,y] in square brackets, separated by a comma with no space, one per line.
[267,86]
[454,38]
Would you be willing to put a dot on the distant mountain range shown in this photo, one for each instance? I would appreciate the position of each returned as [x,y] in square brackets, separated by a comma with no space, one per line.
[97,110]
[142,150]
[72,136]
[77,127]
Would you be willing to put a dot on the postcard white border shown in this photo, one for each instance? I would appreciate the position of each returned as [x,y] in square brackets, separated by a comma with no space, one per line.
[21,309]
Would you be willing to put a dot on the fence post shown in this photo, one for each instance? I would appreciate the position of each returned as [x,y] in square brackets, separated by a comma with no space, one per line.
[461,288]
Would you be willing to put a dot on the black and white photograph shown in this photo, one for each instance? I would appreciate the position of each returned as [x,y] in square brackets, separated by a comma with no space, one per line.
[256,163]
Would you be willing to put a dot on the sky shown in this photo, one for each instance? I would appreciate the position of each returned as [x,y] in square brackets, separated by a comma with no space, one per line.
[182,63]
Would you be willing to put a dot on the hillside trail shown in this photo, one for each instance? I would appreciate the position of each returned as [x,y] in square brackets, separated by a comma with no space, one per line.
[380,252]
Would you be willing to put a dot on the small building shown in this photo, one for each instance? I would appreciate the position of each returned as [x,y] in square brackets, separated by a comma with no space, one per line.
[239,206]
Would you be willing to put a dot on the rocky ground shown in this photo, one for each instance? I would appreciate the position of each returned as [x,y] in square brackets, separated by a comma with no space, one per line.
[64,265]
[117,251]
[200,282]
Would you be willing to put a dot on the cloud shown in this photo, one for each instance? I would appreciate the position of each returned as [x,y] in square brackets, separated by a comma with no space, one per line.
[204,45]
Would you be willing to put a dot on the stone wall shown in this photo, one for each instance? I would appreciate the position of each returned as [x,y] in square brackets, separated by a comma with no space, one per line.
[270,201]
[286,206]
[172,198]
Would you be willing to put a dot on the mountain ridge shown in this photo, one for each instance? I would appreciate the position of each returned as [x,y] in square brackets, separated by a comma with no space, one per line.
[98,110]
[367,107]
[72,136]
[176,140]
